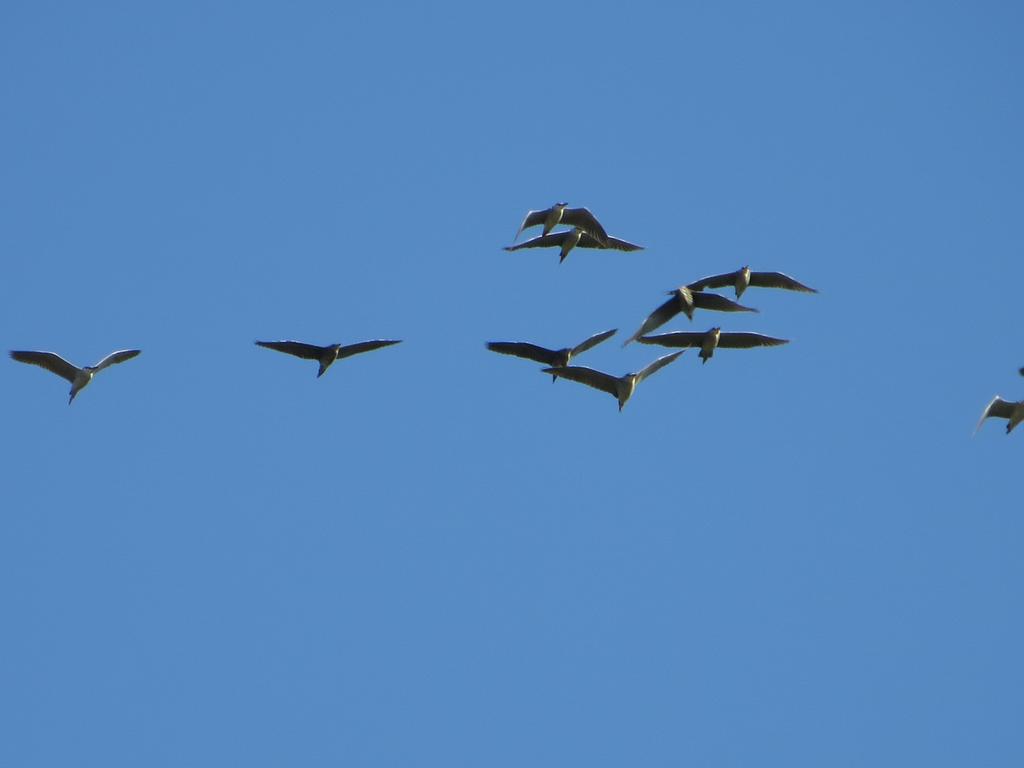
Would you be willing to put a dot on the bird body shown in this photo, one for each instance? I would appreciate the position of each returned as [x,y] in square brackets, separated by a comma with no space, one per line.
[743,278]
[1003,409]
[560,213]
[620,387]
[686,300]
[328,354]
[82,378]
[79,377]
[708,344]
[742,281]
[572,238]
[711,340]
[553,218]
[554,358]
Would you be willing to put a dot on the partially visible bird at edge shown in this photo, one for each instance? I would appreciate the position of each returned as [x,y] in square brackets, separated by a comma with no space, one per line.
[1012,411]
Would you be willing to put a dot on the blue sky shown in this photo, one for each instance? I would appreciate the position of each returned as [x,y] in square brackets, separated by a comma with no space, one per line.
[432,555]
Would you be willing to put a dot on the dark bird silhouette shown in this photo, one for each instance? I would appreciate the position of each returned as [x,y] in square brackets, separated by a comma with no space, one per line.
[743,278]
[554,358]
[573,238]
[326,355]
[711,340]
[619,387]
[560,213]
[79,377]
[686,300]
[1003,409]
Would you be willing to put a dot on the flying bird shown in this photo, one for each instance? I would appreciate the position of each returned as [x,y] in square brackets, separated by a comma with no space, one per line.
[711,340]
[554,358]
[79,377]
[686,300]
[560,213]
[326,355]
[1003,409]
[621,387]
[572,238]
[743,278]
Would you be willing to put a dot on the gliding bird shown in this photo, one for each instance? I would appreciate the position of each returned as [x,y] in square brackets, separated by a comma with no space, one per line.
[325,355]
[621,387]
[710,340]
[79,377]
[560,213]
[686,300]
[743,278]
[572,238]
[554,358]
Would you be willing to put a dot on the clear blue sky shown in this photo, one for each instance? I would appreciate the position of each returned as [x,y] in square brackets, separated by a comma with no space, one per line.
[433,556]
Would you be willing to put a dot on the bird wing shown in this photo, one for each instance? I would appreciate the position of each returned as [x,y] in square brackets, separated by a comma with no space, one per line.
[657,318]
[596,379]
[718,303]
[657,365]
[297,348]
[523,349]
[589,241]
[715,281]
[533,218]
[544,241]
[778,280]
[593,341]
[748,340]
[585,220]
[622,245]
[674,339]
[365,346]
[117,357]
[999,408]
[51,361]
